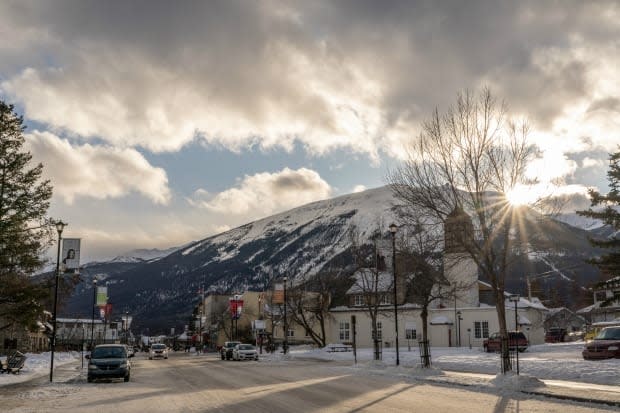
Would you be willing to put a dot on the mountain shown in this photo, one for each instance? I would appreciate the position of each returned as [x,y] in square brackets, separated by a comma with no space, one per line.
[161,293]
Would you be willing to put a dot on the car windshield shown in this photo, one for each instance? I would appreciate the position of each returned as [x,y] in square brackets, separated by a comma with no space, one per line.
[232,344]
[246,347]
[108,353]
[158,346]
[608,334]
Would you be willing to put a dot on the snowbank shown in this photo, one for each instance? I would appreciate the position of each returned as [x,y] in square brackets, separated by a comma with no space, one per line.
[38,365]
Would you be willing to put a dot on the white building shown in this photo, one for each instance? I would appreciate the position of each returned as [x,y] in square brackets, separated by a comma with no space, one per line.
[466,320]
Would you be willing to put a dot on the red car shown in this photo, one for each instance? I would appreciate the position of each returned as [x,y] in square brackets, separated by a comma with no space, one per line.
[606,345]
[516,339]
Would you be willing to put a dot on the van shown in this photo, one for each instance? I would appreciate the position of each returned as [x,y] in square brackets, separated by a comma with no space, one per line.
[109,361]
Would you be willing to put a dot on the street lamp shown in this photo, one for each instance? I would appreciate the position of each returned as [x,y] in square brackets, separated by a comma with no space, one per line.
[60,226]
[393,229]
[92,323]
[285,344]
[458,327]
[515,299]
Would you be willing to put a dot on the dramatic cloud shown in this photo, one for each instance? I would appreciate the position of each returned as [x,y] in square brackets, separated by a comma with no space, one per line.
[96,171]
[357,75]
[266,193]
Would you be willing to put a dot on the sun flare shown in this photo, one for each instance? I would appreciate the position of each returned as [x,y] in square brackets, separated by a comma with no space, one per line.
[520,195]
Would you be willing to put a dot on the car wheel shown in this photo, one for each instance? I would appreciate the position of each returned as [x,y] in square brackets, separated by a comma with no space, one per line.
[223,358]
[150,358]
[126,378]
[166,358]
[89,379]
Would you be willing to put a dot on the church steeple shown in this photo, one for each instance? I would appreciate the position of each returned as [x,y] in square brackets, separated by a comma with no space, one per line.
[458,231]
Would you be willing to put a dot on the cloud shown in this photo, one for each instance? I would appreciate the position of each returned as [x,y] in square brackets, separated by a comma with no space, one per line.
[96,171]
[328,75]
[359,188]
[265,193]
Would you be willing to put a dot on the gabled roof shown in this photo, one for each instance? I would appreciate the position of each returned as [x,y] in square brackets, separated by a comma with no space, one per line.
[366,278]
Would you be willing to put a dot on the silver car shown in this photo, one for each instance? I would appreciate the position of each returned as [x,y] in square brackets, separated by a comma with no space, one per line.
[158,350]
[244,352]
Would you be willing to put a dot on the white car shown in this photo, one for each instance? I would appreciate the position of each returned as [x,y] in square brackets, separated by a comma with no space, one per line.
[158,350]
[244,352]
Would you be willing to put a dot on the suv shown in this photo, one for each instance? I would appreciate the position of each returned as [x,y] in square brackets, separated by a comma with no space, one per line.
[516,340]
[226,351]
[109,361]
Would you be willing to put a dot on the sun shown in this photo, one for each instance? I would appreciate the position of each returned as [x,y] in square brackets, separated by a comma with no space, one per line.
[520,195]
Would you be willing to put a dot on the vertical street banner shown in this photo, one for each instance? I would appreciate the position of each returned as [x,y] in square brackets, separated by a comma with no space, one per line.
[278,294]
[236,307]
[102,296]
[70,255]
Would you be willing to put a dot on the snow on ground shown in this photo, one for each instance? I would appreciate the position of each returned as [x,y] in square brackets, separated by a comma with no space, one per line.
[558,361]
[38,365]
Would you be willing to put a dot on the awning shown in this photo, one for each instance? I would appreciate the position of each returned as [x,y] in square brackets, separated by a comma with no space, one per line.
[441,320]
[523,320]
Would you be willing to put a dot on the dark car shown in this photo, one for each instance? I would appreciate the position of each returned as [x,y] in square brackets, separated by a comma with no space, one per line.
[606,345]
[555,335]
[226,351]
[109,361]
[516,340]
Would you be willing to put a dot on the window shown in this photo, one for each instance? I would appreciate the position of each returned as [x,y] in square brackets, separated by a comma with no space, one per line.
[291,332]
[411,334]
[386,299]
[481,329]
[358,300]
[344,332]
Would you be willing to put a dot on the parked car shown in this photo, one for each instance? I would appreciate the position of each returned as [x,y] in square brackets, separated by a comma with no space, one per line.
[606,345]
[244,352]
[227,349]
[158,350]
[555,335]
[109,361]
[516,340]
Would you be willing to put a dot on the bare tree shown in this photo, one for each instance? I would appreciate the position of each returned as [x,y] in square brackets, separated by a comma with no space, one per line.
[372,281]
[308,303]
[471,157]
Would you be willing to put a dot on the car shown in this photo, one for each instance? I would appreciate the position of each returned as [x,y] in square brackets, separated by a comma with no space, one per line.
[109,361]
[516,340]
[244,352]
[227,349]
[606,345]
[555,335]
[130,351]
[158,350]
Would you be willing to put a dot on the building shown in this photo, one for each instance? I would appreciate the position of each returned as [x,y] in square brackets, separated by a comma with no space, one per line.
[563,318]
[466,319]
[72,332]
[606,305]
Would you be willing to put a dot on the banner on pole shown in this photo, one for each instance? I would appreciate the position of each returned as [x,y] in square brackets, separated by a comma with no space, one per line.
[278,294]
[236,307]
[102,296]
[70,255]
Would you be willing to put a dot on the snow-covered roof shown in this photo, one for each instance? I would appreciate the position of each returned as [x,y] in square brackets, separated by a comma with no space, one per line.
[366,278]
[78,320]
[524,321]
[441,320]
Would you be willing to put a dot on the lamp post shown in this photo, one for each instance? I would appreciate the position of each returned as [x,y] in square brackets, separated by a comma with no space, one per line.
[393,229]
[92,321]
[458,328]
[60,226]
[285,344]
[515,298]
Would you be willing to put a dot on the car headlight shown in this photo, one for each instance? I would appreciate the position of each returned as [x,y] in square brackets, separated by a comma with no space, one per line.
[92,367]
[612,348]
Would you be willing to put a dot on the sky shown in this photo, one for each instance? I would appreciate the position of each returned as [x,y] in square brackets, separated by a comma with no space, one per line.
[160,123]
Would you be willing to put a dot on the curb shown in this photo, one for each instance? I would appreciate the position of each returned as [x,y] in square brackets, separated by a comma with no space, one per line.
[573,398]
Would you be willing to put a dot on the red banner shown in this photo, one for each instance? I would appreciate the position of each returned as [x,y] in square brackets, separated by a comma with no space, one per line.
[236,306]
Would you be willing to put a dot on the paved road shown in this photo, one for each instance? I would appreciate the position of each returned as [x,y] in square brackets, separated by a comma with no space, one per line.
[186,383]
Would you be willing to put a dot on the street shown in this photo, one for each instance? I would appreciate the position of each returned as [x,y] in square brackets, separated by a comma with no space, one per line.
[190,383]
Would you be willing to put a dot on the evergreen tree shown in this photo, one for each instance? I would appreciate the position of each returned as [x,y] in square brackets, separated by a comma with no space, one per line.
[609,213]
[24,228]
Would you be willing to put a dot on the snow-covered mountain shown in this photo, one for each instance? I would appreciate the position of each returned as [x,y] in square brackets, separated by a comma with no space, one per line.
[299,242]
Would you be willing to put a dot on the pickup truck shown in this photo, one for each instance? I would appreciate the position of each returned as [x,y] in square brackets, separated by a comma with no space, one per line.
[226,351]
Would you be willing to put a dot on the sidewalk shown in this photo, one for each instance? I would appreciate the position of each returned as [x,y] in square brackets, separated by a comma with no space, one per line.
[560,389]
